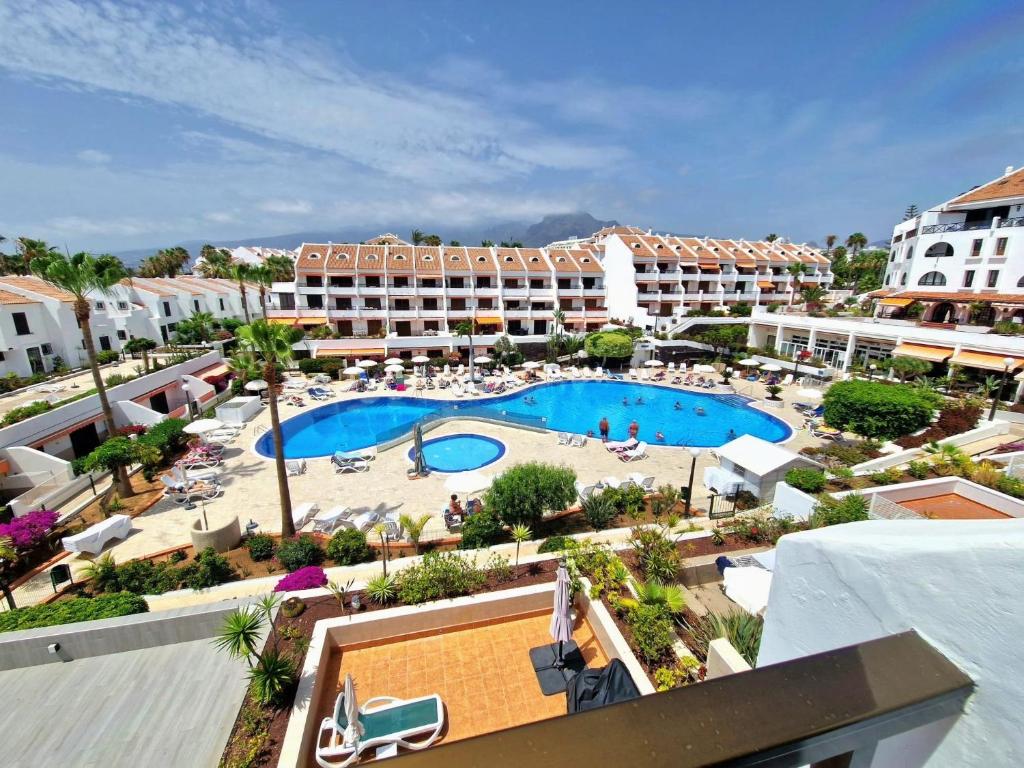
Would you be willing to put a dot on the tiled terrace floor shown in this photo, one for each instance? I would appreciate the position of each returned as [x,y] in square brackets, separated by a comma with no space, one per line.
[483,674]
[952,506]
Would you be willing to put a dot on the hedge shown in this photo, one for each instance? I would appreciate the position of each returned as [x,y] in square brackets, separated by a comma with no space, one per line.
[880,411]
[71,611]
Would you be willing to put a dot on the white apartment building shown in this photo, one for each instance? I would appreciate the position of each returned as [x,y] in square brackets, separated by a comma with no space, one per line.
[967,250]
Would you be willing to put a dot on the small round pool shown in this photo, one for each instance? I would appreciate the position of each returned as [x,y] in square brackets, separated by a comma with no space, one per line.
[460,453]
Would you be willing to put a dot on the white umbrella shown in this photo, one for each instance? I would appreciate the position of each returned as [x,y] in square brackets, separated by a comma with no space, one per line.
[256,385]
[366,363]
[749,361]
[771,367]
[352,371]
[393,361]
[467,482]
[531,364]
[704,368]
[394,368]
[654,363]
[561,620]
[354,729]
[582,354]
[201,426]
[420,359]
[810,394]
[482,360]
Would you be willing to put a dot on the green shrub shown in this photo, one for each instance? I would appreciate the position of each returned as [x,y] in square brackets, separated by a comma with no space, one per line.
[207,570]
[599,509]
[107,356]
[310,365]
[656,555]
[653,632]
[885,476]
[299,552]
[382,589]
[117,378]
[524,492]
[554,544]
[806,479]
[877,410]
[168,437]
[481,530]
[348,547]
[438,576]
[742,630]
[15,415]
[918,469]
[850,509]
[261,547]
[73,610]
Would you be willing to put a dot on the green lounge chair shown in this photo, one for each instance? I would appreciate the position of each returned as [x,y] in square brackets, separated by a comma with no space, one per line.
[385,720]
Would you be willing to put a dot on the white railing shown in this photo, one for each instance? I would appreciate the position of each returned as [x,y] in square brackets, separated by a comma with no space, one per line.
[883,509]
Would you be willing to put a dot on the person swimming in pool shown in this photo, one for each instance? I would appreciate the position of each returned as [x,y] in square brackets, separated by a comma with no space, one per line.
[625,401]
[732,434]
[639,401]
[678,406]
[659,436]
[699,411]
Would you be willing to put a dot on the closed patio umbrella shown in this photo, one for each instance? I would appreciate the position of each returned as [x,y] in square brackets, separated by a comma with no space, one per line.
[354,729]
[420,359]
[704,368]
[256,385]
[654,363]
[531,364]
[467,482]
[482,360]
[561,620]
[394,368]
[771,367]
[749,361]
[419,465]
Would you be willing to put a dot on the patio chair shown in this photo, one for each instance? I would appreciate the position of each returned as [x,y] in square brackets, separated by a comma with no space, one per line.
[633,373]
[640,480]
[326,522]
[318,394]
[671,367]
[787,380]
[826,433]
[295,467]
[303,512]
[635,454]
[564,438]
[578,441]
[385,720]
[610,482]
[185,494]
[599,372]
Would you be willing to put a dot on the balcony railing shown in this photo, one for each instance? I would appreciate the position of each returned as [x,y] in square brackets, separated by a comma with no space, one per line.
[958,226]
[1017,222]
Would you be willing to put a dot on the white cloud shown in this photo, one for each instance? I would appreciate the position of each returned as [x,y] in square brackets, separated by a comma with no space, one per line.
[93,157]
[287,207]
[220,217]
[80,225]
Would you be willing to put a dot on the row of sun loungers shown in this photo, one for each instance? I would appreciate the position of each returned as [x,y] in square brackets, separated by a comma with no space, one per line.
[646,482]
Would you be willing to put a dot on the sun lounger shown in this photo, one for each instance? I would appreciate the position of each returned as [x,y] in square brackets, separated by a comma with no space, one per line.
[578,441]
[671,367]
[599,372]
[364,521]
[294,467]
[296,385]
[406,723]
[185,493]
[642,481]
[350,465]
[610,482]
[621,445]
[326,522]
[585,491]
[564,438]
[826,433]
[302,513]
[633,373]
[787,380]
[318,394]
[635,454]
[367,454]
[94,538]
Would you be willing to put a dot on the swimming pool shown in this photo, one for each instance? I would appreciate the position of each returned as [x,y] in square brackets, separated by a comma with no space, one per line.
[460,453]
[566,406]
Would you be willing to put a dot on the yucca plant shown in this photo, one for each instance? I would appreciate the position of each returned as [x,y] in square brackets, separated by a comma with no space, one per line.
[271,676]
[520,533]
[241,634]
[102,572]
[741,629]
[382,589]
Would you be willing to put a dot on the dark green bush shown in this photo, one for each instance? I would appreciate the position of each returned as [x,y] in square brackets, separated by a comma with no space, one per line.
[481,530]
[299,552]
[23,412]
[806,479]
[876,410]
[554,544]
[207,570]
[73,610]
[310,365]
[348,547]
[438,576]
[261,547]
[653,632]
[599,509]
[107,356]
[168,437]
[656,555]
[524,492]
[849,509]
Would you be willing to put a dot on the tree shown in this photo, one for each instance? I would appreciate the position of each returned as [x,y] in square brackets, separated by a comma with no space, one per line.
[416,238]
[877,410]
[263,278]
[413,526]
[141,345]
[281,267]
[486,243]
[167,262]
[432,240]
[465,328]
[812,296]
[79,275]
[851,508]
[771,237]
[115,455]
[725,339]
[521,494]
[244,365]
[840,265]
[856,242]
[215,262]
[510,244]
[454,243]
[271,672]
[909,366]
[830,240]
[272,345]
[605,344]
[520,533]
[910,213]
[796,271]
[30,249]
[241,272]
[506,352]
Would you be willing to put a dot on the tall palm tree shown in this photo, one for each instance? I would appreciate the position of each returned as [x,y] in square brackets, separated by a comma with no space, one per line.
[281,267]
[855,242]
[830,240]
[465,328]
[214,262]
[272,345]
[559,317]
[417,237]
[795,271]
[771,237]
[244,365]
[80,275]
[241,273]
[33,249]
[264,277]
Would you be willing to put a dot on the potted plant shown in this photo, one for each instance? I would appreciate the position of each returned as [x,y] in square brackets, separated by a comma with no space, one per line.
[773,400]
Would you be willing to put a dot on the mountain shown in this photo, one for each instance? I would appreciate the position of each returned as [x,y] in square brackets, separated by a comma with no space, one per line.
[550,228]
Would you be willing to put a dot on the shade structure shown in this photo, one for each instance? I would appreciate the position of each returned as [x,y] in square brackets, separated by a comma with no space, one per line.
[702,368]
[202,426]
[352,371]
[923,352]
[809,394]
[354,729]
[367,363]
[749,361]
[531,364]
[654,363]
[986,360]
[771,367]
[482,360]
[393,361]
[896,302]
[256,385]
[394,368]
[420,359]
[467,482]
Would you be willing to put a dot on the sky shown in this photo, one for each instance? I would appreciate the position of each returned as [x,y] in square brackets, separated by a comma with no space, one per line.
[137,124]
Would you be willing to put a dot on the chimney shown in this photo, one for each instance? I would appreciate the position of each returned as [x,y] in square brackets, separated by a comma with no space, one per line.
[1008,171]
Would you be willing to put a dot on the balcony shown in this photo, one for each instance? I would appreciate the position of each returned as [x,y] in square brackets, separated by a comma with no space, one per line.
[517,314]
[647,277]
[402,314]
[461,292]
[402,290]
[306,290]
[372,313]
[342,290]
[593,291]
[648,296]
[276,287]
[515,293]
[343,314]
[694,297]
[365,290]
[960,226]
[424,291]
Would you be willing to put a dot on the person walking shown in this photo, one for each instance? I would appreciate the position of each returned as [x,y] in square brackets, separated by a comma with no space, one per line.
[604,428]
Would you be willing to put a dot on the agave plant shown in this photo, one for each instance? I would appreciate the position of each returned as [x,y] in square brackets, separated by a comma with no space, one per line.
[102,572]
[272,675]
[652,592]
[382,589]
[741,629]
[241,634]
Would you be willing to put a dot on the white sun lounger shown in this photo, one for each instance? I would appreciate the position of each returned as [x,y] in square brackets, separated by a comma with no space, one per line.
[578,441]
[620,445]
[326,522]
[364,521]
[294,467]
[643,481]
[585,491]
[94,538]
[302,513]
[564,438]
[635,454]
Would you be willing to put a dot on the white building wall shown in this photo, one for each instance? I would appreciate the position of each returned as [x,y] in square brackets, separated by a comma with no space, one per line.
[619,280]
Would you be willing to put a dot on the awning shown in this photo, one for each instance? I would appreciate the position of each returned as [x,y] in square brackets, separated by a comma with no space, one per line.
[281,320]
[986,360]
[311,321]
[709,267]
[896,302]
[327,352]
[487,319]
[923,352]
[766,285]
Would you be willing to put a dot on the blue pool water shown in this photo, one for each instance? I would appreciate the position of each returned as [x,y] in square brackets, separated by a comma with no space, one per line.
[568,406]
[460,453]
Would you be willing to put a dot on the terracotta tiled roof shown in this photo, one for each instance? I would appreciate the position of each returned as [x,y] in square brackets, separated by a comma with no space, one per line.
[203,283]
[400,259]
[6,297]
[456,259]
[957,298]
[618,230]
[370,258]
[342,260]
[509,260]
[1011,185]
[428,260]
[387,238]
[149,286]
[534,260]
[35,285]
[482,260]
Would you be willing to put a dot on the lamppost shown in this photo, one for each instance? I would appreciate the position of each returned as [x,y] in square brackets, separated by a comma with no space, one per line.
[695,454]
[1007,362]
[188,401]
[871,371]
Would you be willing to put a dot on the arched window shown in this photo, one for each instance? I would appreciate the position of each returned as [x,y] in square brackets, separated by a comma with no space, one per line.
[938,250]
[903,279]
[932,278]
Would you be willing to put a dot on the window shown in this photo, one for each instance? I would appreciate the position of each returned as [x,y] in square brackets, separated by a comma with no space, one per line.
[167,309]
[314,281]
[976,247]
[221,304]
[910,253]
[122,335]
[932,278]
[1001,246]
[968,278]
[123,306]
[21,324]
[195,305]
[99,305]
[47,349]
[2,357]
[939,250]
[993,278]
[903,279]
[315,302]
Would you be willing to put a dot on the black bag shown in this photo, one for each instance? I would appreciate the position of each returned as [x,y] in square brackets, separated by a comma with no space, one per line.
[593,688]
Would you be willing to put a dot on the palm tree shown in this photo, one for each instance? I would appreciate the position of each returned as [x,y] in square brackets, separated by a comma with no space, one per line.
[198,328]
[241,273]
[465,328]
[795,271]
[244,365]
[830,240]
[281,267]
[855,242]
[433,240]
[272,345]
[486,243]
[264,278]
[771,237]
[80,275]
[214,262]
[32,249]
[417,237]
[812,295]
[559,317]
[143,345]
[414,527]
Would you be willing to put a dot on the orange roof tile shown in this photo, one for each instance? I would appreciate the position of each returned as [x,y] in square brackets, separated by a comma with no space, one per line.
[6,297]
[370,258]
[638,246]
[534,260]
[342,259]
[482,260]
[1011,185]
[400,258]
[36,285]
[509,260]
[456,259]
[428,260]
